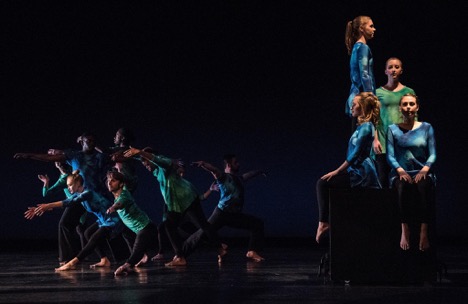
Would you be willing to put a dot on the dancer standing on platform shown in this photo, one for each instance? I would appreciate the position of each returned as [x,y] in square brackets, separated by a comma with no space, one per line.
[358,32]
[389,96]
[358,170]
[228,212]
[106,226]
[411,152]
[93,166]
[181,198]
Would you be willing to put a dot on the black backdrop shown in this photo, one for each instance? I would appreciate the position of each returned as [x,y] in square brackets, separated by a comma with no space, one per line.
[266,80]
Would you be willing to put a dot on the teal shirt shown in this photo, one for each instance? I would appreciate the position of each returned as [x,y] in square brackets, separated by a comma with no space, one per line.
[130,214]
[389,112]
[178,193]
[60,184]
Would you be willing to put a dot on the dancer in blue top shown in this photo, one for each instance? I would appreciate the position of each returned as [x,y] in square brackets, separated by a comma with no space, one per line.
[106,226]
[229,212]
[358,170]
[93,167]
[411,152]
[61,185]
[358,32]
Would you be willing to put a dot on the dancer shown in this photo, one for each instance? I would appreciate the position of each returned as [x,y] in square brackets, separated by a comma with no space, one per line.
[134,218]
[358,32]
[228,212]
[122,140]
[358,170]
[61,185]
[93,167]
[411,152]
[181,198]
[105,227]
[389,96]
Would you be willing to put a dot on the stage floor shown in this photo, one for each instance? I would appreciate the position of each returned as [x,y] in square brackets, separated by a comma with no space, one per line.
[288,275]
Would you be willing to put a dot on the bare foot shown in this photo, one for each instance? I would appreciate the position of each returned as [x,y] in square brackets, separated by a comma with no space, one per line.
[176,261]
[68,266]
[222,252]
[322,227]
[158,257]
[143,260]
[423,238]
[125,269]
[404,241]
[254,256]
[104,262]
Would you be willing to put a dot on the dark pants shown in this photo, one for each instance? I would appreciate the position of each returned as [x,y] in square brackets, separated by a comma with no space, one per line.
[416,200]
[237,220]
[68,241]
[383,169]
[195,214]
[340,181]
[145,239]
[96,240]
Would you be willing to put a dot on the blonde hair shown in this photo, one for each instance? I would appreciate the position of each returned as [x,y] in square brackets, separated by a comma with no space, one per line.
[352,33]
[370,108]
[75,177]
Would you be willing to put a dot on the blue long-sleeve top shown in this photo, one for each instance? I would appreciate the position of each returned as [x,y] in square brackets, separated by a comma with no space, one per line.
[96,204]
[361,167]
[411,149]
[93,167]
[361,66]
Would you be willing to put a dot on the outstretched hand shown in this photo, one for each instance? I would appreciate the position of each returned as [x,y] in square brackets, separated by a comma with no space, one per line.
[30,213]
[214,186]
[131,152]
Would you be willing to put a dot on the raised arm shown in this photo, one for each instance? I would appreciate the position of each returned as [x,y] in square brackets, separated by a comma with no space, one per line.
[41,157]
[254,173]
[208,167]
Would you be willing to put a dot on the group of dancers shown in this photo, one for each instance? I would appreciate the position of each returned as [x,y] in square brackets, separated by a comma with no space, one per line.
[99,183]
[389,147]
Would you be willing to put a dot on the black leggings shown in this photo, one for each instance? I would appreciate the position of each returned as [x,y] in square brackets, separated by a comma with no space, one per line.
[197,217]
[340,181]
[416,200]
[97,241]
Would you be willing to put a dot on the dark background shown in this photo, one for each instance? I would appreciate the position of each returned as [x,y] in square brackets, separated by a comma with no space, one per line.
[266,80]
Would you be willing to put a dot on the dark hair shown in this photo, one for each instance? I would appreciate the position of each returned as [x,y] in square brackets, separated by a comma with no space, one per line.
[127,134]
[228,158]
[116,175]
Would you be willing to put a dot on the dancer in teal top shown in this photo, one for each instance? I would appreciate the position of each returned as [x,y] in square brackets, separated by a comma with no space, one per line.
[389,96]
[182,199]
[411,152]
[134,218]
[106,226]
[358,170]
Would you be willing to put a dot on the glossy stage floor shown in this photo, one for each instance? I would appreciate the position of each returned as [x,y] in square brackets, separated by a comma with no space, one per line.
[288,275]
